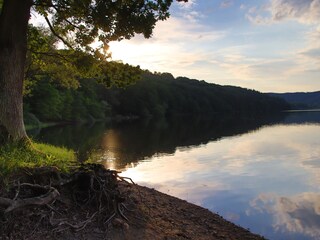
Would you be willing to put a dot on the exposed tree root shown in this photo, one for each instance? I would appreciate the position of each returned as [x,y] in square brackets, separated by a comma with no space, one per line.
[15,203]
[87,195]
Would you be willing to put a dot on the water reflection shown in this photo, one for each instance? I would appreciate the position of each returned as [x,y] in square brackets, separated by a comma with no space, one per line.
[311,117]
[262,174]
[226,176]
[121,144]
[295,214]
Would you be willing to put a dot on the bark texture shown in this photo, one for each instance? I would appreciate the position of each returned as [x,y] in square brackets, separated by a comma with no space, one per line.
[14,19]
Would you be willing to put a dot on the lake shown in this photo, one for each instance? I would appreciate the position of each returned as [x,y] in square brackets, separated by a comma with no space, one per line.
[262,174]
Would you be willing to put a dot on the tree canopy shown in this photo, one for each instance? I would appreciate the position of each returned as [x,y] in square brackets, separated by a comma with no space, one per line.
[78,24]
[67,66]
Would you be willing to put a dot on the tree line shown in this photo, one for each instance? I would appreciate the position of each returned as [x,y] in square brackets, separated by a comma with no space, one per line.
[162,95]
[154,95]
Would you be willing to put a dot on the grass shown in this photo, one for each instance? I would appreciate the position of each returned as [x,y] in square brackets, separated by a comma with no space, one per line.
[41,125]
[15,156]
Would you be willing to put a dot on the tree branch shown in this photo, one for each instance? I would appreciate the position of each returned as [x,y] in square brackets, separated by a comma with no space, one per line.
[51,54]
[73,25]
[56,34]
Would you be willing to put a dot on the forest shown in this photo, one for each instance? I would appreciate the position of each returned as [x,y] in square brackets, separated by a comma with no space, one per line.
[71,86]
[300,100]
[155,95]
[162,95]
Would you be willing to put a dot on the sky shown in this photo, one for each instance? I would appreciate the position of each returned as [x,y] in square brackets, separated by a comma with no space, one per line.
[266,45]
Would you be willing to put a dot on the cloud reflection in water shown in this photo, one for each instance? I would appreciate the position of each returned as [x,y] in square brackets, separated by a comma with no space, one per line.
[226,175]
[297,214]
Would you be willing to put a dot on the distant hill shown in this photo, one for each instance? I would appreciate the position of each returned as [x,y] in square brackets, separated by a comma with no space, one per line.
[300,100]
[157,95]
[162,95]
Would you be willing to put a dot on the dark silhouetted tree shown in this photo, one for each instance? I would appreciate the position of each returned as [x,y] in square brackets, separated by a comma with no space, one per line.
[77,23]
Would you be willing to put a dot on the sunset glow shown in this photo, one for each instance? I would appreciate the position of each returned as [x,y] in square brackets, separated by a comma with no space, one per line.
[254,44]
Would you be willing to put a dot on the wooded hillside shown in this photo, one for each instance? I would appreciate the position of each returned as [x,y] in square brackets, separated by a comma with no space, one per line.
[155,95]
[300,100]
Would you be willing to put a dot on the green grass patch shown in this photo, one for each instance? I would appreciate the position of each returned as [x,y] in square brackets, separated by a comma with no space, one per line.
[41,125]
[15,156]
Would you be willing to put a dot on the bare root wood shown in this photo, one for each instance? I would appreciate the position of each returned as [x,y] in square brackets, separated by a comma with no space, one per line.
[13,204]
[89,195]
[60,224]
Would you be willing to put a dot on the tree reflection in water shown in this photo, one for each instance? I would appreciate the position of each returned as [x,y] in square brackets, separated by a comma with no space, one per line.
[120,144]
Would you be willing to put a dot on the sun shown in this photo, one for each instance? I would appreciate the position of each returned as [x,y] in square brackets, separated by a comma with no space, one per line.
[123,51]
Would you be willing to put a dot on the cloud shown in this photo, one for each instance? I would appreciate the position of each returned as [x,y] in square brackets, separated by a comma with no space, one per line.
[173,47]
[280,68]
[180,30]
[315,36]
[236,63]
[226,3]
[304,11]
[187,5]
[187,11]
[296,214]
[192,16]
[313,53]
[266,58]
[243,6]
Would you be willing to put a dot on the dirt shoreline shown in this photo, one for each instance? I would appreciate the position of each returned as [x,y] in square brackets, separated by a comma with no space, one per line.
[145,214]
[157,215]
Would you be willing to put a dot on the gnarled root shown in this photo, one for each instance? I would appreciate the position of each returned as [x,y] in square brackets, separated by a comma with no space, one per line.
[89,195]
[13,204]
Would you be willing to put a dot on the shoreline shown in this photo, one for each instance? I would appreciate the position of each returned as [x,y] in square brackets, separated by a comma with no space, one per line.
[158,215]
[144,213]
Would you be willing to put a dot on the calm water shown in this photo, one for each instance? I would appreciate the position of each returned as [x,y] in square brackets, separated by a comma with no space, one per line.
[262,174]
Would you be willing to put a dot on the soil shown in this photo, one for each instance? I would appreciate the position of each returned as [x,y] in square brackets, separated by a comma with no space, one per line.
[157,215]
[144,214]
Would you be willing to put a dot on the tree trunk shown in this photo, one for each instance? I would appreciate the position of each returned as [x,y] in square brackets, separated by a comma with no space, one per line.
[14,19]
